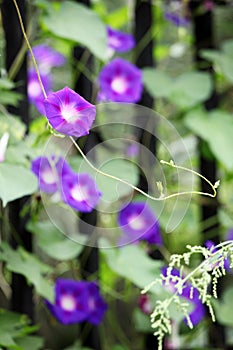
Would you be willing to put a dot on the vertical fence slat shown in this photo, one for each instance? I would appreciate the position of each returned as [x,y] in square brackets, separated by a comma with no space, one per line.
[204,39]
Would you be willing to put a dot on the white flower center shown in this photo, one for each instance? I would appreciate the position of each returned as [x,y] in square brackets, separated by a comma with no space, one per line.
[34,89]
[69,113]
[80,193]
[119,85]
[48,176]
[68,303]
[136,222]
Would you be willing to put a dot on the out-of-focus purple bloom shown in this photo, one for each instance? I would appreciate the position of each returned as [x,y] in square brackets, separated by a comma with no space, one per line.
[80,192]
[198,312]
[77,301]
[145,304]
[34,90]
[209,5]
[138,223]
[133,150]
[49,172]
[121,81]
[229,235]
[211,246]
[119,41]
[3,146]
[177,19]
[96,305]
[47,58]
[69,113]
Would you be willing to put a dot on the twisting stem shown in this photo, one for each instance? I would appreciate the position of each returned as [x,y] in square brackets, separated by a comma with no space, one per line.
[162,197]
[30,48]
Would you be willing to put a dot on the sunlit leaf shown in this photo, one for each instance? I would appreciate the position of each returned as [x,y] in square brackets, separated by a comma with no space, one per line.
[76,22]
[216,128]
[54,243]
[133,263]
[26,264]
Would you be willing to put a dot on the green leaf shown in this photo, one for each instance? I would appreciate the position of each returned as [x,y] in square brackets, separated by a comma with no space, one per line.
[133,263]
[76,22]
[13,325]
[20,153]
[216,128]
[223,58]
[53,242]
[191,88]
[185,91]
[77,346]
[30,342]
[6,84]
[15,182]
[26,264]
[226,65]
[111,189]
[211,55]
[223,308]
[142,322]
[157,82]
[10,98]
[13,126]
[227,47]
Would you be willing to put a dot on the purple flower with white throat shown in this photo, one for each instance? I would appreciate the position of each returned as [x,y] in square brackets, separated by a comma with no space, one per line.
[77,301]
[80,192]
[189,293]
[138,223]
[35,93]
[3,146]
[47,58]
[121,81]
[49,172]
[119,41]
[69,113]
[70,304]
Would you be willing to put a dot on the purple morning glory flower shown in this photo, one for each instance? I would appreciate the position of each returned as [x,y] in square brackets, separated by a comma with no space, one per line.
[70,301]
[132,150]
[139,223]
[34,90]
[77,301]
[121,81]
[69,113]
[96,305]
[145,304]
[198,312]
[176,19]
[49,172]
[119,41]
[47,58]
[80,192]
[211,246]
[229,235]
